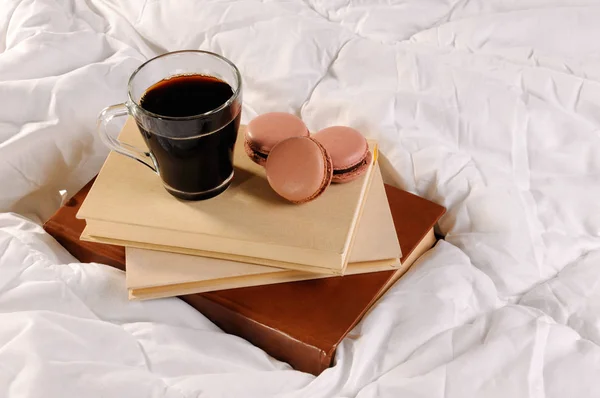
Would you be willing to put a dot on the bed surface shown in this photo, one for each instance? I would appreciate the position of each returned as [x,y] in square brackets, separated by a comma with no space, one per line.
[490,108]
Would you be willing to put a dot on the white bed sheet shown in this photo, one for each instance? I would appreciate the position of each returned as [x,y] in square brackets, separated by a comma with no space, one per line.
[491,108]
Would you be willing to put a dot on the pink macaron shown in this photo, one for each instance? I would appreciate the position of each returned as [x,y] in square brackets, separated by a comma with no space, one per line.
[299,169]
[349,152]
[266,130]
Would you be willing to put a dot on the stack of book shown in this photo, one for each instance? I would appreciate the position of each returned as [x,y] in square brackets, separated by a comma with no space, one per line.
[292,279]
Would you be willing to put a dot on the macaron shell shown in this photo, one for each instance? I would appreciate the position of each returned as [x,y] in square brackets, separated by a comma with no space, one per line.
[266,130]
[346,146]
[254,156]
[299,169]
[355,172]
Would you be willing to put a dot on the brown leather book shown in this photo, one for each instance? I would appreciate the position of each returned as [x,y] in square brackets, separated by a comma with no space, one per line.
[288,320]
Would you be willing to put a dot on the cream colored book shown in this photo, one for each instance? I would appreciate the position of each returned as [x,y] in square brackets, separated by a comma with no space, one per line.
[155,274]
[249,222]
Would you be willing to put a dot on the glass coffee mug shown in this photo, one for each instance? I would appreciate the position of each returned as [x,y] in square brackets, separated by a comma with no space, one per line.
[187,106]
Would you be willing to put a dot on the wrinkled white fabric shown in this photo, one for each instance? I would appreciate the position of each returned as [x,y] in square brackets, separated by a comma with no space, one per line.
[489,107]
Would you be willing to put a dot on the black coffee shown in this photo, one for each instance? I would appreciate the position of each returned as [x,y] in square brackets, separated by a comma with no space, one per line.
[194,155]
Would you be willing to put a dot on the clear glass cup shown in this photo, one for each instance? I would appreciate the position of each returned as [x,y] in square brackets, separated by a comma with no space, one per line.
[192,154]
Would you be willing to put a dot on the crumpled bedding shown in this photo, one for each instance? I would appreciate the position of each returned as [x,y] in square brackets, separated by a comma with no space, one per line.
[490,108]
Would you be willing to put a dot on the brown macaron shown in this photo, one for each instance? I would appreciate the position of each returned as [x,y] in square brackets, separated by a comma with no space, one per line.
[349,152]
[266,130]
[299,169]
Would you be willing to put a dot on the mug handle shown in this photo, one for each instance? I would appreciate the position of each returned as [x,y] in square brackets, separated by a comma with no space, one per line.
[104,119]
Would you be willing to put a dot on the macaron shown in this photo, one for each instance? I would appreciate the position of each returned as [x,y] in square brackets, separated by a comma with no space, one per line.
[266,130]
[299,169]
[349,152]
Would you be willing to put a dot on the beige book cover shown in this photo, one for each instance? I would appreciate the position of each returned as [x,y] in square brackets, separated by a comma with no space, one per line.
[249,222]
[154,274]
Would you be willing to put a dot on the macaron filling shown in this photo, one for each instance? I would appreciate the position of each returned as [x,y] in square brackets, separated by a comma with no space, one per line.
[257,152]
[260,154]
[350,169]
